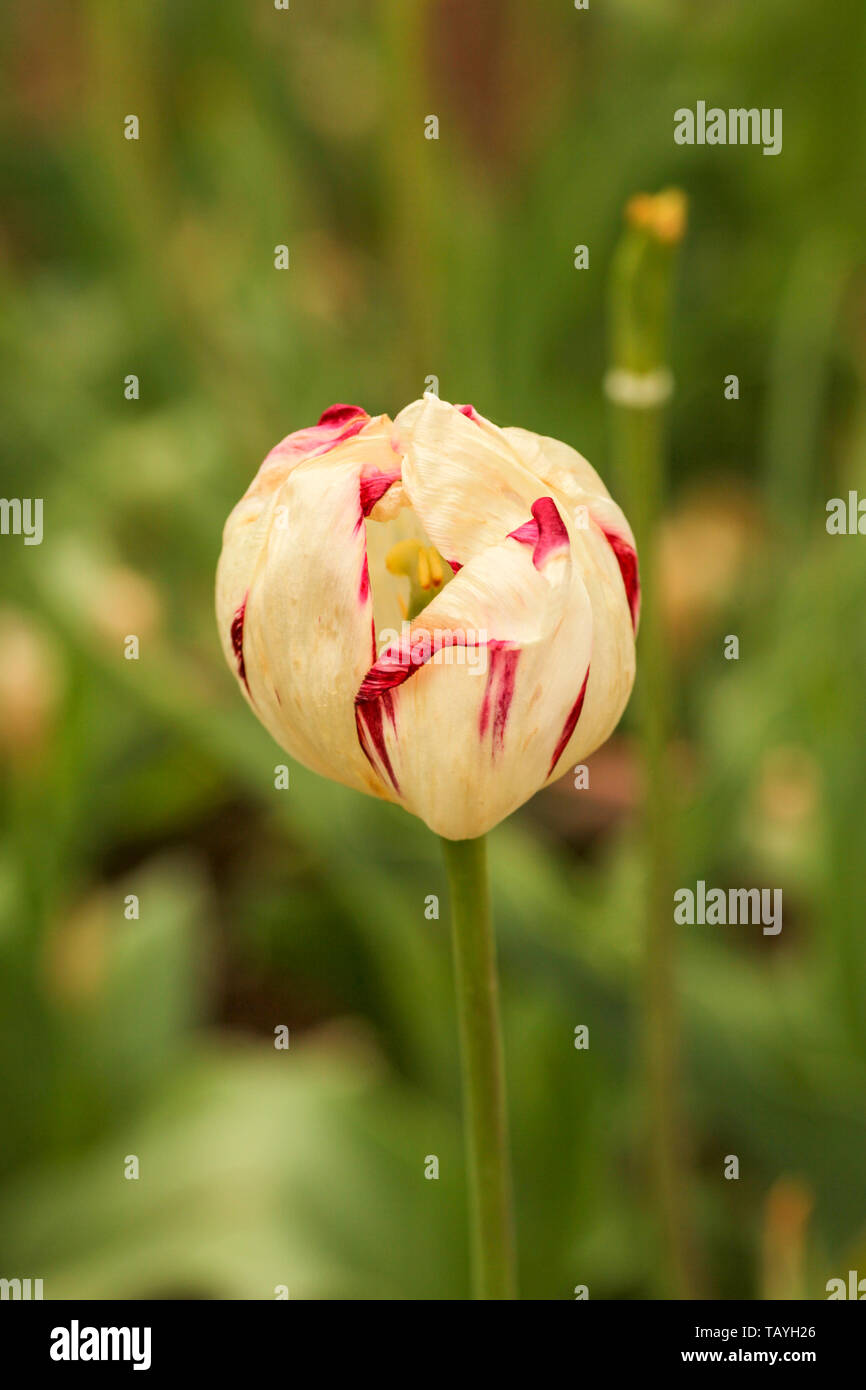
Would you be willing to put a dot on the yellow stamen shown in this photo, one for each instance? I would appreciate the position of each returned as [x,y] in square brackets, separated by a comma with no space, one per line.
[435,567]
[402,558]
[422,565]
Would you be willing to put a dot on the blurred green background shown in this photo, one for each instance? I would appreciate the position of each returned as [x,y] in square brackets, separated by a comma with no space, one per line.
[155,1037]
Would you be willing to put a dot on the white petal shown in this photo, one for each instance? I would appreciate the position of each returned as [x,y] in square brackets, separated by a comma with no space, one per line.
[462,477]
[295,563]
[467,741]
[556,464]
[604,554]
[592,514]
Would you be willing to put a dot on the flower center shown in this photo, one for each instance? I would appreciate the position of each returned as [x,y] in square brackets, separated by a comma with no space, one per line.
[423,566]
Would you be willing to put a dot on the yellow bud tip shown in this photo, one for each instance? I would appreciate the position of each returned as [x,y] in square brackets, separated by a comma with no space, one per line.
[663,215]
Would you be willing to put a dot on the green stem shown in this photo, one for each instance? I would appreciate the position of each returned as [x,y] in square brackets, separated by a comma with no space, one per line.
[640,306]
[489,1179]
[409,182]
[644,435]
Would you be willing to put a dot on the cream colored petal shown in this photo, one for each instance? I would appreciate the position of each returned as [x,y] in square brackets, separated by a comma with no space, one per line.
[462,477]
[558,465]
[596,522]
[469,735]
[249,520]
[294,568]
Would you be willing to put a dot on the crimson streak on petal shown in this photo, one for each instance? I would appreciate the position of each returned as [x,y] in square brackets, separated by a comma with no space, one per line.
[626,557]
[392,669]
[237,640]
[395,665]
[339,415]
[336,424]
[498,692]
[546,532]
[373,488]
[371,732]
[570,725]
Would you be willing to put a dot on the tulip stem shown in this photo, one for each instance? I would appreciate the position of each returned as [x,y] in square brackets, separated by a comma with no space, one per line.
[481,1054]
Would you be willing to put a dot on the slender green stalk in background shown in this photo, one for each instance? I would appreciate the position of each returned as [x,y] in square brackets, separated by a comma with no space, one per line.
[784,1246]
[488,1169]
[409,184]
[638,384]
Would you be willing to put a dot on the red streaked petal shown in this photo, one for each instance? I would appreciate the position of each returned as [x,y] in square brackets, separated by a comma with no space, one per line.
[392,669]
[546,532]
[527,534]
[626,556]
[340,415]
[336,424]
[373,488]
[499,691]
[237,640]
[371,732]
[570,725]
[396,664]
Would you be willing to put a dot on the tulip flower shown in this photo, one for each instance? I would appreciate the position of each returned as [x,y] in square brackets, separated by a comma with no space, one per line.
[440,613]
[521,659]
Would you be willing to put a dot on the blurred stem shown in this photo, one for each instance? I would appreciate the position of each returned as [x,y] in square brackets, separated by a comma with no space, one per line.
[409,190]
[640,303]
[481,1055]
[787,1211]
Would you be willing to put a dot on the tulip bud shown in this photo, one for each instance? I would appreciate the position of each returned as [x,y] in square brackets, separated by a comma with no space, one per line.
[432,610]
